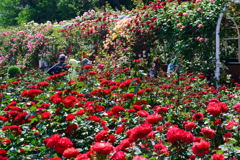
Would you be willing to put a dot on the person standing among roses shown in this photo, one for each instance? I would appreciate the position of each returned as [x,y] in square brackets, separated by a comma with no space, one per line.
[58,67]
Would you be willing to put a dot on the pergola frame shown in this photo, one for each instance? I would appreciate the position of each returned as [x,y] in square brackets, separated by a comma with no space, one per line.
[218,50]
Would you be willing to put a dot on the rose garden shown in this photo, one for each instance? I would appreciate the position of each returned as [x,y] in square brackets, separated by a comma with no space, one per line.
[125,105]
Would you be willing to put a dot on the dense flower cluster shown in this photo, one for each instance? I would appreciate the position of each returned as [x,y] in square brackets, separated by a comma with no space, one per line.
[118,115]
[177,135]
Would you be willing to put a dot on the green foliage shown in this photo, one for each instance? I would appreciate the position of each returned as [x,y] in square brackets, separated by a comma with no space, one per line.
[13,71]
[9,10]
[15,12]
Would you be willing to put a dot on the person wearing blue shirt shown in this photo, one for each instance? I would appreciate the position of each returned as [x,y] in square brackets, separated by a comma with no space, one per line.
[58,67]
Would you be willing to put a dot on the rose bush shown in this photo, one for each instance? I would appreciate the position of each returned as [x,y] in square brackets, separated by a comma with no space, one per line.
[117,114]
[180,30]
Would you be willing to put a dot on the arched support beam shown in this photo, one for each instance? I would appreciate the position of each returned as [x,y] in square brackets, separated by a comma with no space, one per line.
[218,52]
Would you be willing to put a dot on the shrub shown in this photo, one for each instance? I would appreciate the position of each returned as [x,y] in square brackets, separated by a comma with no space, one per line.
[13,71]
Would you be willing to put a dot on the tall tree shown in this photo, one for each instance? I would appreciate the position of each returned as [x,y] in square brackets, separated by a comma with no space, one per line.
[13,12]
[9,10]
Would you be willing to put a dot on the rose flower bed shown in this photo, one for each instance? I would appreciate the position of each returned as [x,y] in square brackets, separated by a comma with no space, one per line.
[118,114]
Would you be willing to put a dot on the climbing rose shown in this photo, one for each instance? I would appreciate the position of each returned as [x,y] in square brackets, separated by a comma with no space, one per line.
[102,147]
[201,148]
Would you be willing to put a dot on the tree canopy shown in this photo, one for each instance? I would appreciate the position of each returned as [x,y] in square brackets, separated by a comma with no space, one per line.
[14,12]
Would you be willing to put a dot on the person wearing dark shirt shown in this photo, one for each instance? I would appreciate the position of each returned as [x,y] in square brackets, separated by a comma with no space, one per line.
[58,67]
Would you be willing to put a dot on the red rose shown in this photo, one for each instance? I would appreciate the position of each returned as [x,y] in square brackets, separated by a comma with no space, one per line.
[51,141]
[56,99]
[46,115]
[128,95]
[70,117]
[161,109]
[189,125]
[15,128]
[198,116]
[119,156]
[137,107]
[137,61]
[154,118]
[208,133]
[31,93]
[71,129]
[217,121]
[102,135]
[120,129]
[4,119]
[161,149]
[142,113]
[123,145]
[112,138]
[62,144]
[201,148]
[237,107]
[87,67]
[102,147]
[42,84]
[80,112]
[69,101]
[215,108]
[218,157]
[117,109]
[82,157]
[70,152]
[177,135]
[140,92]
[140,131]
